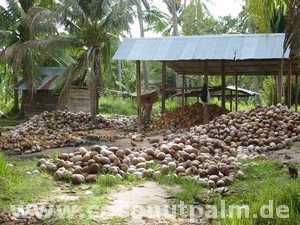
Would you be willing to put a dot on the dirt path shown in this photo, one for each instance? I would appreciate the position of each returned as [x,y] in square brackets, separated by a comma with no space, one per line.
[291,155]
[144,204]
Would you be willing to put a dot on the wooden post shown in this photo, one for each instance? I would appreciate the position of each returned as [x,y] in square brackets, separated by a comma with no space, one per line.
[163,88]
[296,97]
[138,95]
[279,84]
[183,90]
[236,93]
[230,100]
[289,88]
[205,106]
[206,72]
[223,84]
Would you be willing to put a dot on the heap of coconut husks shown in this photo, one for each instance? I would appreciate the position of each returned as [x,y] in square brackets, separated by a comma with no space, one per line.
[56,129]
[209,153]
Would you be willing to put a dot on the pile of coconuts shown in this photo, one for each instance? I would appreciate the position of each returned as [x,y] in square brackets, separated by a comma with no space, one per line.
[209,153]
[57,129]
[187,116]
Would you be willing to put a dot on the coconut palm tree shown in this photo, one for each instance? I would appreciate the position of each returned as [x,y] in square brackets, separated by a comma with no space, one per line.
[270,15]
[24,25]
[293,25]
[141,17]
[93,25]
[281,13]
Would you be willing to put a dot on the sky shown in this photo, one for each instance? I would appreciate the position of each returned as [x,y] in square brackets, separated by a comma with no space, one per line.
[216,7]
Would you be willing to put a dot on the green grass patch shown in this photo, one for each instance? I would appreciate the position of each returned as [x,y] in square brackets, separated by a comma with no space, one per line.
[9,122]
[114,105]
[266,185]
[187,188]
[17,187]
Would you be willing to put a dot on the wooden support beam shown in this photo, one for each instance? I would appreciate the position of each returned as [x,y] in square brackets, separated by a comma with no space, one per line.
[289,88]
[236,93]
[183,90]
[297,92]
[230,100]
[223,83]
[206,72]
[138,95]
[279,84]
[163,88]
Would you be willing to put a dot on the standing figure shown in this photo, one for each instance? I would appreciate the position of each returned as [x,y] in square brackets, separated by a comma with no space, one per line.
[205,96]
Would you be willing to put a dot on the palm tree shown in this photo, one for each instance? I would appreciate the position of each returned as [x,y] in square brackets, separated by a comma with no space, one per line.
[293,25]
[93,25]
[23,26]
[270,16]
[140,14]
[278,16]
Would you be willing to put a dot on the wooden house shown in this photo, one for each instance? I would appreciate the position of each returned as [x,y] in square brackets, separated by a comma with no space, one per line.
[46,95]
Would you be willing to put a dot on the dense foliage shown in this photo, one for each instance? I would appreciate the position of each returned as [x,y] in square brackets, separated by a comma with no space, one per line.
[83,35]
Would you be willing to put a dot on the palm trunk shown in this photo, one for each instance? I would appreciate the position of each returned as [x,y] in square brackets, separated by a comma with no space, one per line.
[15,108]
[95,81]
[174,18]
[64,94]
[178,81]
[142,33]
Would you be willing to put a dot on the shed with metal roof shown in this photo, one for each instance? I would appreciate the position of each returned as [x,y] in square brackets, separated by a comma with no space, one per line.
[215,55]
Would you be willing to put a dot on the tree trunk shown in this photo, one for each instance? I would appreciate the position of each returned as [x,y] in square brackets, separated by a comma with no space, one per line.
[120,74]
[15,108]
[178,81]
[142,33]
[95,81]
[64,94]
[174,18]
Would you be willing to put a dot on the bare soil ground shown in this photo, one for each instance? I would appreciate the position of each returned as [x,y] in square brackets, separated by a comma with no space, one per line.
[291,155]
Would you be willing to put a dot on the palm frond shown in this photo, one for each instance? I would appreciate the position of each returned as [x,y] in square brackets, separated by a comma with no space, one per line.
[292,38]
[16,9]
[41,22]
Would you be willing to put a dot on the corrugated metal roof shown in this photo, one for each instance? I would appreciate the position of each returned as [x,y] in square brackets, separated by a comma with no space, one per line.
[50,75]
[210,47]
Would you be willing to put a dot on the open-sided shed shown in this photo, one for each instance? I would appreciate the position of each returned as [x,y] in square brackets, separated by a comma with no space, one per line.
[214,55]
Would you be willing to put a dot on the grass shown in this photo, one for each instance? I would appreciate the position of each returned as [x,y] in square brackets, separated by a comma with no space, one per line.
[10,122]
[264,184]
[188,188]
[17,187]
[114,105]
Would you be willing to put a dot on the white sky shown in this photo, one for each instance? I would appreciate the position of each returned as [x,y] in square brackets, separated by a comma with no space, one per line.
[216,7]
